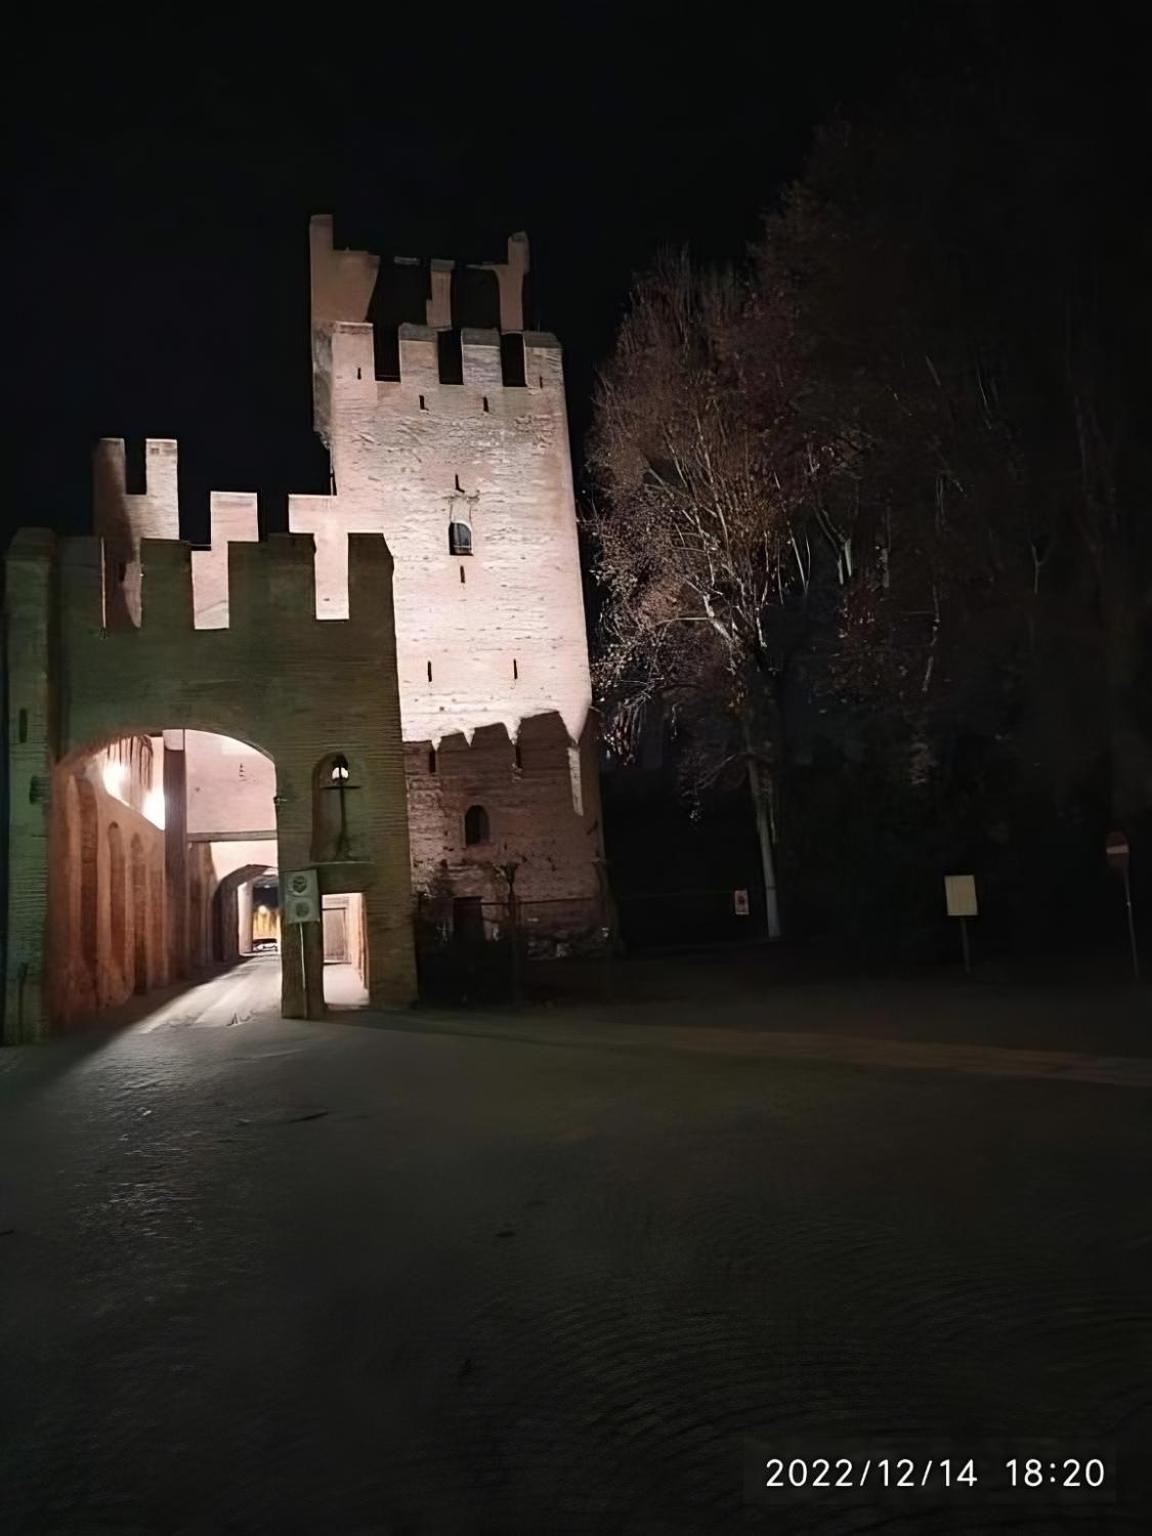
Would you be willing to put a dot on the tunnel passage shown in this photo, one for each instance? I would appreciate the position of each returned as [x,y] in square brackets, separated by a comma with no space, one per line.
[150,838]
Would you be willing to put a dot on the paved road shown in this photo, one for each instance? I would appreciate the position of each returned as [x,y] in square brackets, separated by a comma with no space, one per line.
[491,1275]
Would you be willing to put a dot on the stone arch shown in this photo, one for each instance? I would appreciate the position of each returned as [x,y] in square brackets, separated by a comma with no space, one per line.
[130,726]
[118,901]
[225,914]
[141,978]
[110,958]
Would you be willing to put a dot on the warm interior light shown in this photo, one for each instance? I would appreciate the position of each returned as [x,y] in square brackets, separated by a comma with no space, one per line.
[154,807]
[114,775]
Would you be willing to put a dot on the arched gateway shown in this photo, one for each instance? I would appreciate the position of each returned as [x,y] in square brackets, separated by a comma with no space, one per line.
[85,671]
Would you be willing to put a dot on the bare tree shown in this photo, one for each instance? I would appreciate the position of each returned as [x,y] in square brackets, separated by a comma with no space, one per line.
[711,484]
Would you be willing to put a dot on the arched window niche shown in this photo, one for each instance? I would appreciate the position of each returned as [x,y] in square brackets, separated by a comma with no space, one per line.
[476,829]
[336,812]
[459,537]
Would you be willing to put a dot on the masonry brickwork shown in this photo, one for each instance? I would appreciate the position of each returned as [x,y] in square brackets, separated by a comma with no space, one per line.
[76,684]
[106,930]
[425,620]
[491,644]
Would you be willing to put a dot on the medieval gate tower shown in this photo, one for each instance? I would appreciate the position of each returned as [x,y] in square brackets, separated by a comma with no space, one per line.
[465,680]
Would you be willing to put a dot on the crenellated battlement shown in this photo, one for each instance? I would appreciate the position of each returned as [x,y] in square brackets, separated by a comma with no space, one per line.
[403,334]
[152,512]
[344,366]
[122,518]
[234,521]
[344,282]
[271,585]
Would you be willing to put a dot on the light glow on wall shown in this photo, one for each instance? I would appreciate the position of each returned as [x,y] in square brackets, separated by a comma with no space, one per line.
[114,775]
[154,807]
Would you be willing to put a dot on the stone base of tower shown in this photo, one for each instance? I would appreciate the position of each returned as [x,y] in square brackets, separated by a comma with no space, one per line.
[505,832]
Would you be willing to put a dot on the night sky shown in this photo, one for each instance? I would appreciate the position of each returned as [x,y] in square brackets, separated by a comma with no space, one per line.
[163,172]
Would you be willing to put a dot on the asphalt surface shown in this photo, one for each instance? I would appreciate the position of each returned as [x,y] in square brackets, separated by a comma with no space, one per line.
[538,1274]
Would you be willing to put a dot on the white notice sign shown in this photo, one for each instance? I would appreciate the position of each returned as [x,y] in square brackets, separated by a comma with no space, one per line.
[740,902]
[960,894]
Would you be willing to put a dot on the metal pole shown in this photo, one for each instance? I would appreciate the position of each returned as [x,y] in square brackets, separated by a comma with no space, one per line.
[1131,926]
[515,926]
[303,973]
[964,946]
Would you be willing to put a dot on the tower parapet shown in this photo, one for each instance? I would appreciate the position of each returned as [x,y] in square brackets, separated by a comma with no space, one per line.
[122,518]
[125,520]
[429,333]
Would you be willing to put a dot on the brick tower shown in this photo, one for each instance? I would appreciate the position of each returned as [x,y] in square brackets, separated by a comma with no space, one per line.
[453,442]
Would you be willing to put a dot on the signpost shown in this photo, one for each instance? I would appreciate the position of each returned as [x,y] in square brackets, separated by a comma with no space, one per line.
[301,905]
[960,899]
[302,892]
[1116,852]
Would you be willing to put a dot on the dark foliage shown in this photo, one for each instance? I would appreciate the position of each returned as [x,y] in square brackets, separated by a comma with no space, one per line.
[874,510]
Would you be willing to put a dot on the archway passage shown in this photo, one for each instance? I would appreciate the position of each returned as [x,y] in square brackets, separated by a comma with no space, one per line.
[153,837]
[245,912]
[93,682]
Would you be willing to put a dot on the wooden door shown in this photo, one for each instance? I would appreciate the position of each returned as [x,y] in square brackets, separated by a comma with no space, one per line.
[335,935]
